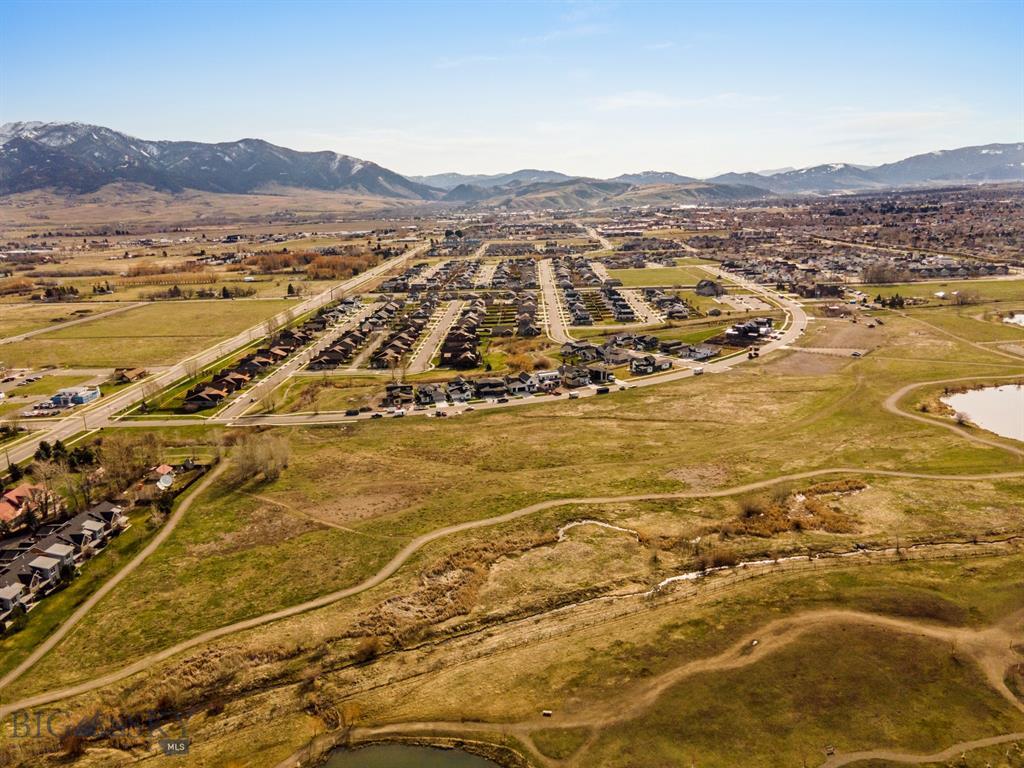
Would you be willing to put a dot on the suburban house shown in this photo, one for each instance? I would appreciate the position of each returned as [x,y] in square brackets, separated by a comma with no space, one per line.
[18,503]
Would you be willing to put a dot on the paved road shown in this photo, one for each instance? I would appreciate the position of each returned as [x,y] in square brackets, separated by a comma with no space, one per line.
[558,329]
[604,241]
[797,325]
[290,367]
[644,312]
[69,323]
[98,413]
[425,351]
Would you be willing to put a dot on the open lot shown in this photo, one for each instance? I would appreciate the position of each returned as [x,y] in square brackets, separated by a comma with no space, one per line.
[154,334]
[659,276]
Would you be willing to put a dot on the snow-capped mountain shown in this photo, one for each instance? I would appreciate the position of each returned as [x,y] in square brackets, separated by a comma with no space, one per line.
[75,157]
[82,158]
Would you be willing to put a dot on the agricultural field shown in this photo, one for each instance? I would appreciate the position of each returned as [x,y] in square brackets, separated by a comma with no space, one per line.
[153,334]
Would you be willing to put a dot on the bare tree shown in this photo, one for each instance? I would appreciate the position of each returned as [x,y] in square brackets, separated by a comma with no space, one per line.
[257,455]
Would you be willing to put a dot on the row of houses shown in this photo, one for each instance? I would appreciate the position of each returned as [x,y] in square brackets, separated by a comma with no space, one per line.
[625,348]
[34,566]
[620,308]
[516,274]
[346,346]
[576,306]
[463,389]
[402,338]
[460,348]
[525,322]
[574,271]
[226,381]
[403,283]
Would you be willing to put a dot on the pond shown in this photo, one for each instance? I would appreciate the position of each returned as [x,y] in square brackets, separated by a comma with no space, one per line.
[997,409]
[405,756]
[1017,318]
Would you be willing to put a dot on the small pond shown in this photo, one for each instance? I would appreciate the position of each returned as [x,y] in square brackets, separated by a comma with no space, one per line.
[405,756]
[997,409]
[1017,318]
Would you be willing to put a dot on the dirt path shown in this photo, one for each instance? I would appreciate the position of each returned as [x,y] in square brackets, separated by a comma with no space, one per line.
[405,554]
[951,753]
[168,527]
[421,541]
[891,405]
[70,323]
[990,647]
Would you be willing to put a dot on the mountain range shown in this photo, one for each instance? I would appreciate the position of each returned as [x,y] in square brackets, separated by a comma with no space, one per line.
[80,158]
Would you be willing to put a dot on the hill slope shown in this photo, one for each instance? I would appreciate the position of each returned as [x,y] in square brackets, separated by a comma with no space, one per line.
[82,158]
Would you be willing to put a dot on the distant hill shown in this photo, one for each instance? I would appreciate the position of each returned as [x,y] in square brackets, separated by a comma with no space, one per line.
[449,181]
[654,177]
[75,158]
[597,193]
[991,162]
[82,158]
[832,177]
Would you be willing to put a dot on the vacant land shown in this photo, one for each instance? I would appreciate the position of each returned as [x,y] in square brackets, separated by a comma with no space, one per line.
[21,318]
[154,334]
[353,495]
[977,290]
[659,276]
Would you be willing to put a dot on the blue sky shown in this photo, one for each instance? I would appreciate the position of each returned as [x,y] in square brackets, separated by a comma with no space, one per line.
[587,88]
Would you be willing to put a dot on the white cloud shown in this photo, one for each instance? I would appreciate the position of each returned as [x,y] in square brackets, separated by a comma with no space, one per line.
[663,46]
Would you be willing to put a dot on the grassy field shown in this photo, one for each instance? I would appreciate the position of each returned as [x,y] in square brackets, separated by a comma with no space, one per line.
[150,335]
[659,276]
[49,384]
[984,290]
[822,690]
[353,495]
[392,480]
[24,317]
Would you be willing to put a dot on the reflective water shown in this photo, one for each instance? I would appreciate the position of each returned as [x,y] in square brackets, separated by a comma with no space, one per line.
[997,409]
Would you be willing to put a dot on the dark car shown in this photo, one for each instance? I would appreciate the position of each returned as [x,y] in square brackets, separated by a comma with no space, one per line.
[502,399]
[602,390]
[377,416]
[352,412]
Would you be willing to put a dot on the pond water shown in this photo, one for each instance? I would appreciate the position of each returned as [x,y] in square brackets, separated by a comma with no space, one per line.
[405,756]
[1017,318]
[997,409]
